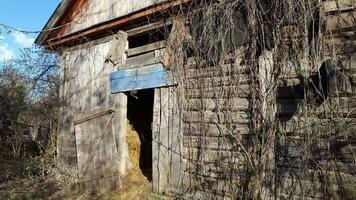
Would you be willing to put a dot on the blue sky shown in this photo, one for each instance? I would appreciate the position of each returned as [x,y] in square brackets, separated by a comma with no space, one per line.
[28,15]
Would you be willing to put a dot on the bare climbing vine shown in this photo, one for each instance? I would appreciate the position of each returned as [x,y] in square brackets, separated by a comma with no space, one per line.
[276,55]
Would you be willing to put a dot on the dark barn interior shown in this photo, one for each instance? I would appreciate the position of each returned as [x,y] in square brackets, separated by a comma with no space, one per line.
[139,114]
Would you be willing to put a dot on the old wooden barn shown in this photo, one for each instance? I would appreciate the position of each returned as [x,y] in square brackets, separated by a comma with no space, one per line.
[218,115]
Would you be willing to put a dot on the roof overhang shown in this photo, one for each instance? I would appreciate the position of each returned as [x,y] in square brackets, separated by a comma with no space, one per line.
[49,41]
[57,14]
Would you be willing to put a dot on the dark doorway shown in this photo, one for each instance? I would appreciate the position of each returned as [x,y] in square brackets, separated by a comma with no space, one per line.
[140,114]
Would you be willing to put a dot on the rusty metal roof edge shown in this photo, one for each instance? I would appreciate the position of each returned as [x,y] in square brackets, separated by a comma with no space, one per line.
[61,8]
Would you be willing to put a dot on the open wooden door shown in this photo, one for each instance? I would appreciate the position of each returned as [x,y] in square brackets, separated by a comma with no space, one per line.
[167,141]
[98,159]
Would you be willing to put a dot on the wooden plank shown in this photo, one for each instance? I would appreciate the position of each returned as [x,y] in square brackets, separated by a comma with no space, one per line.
[164,141]
[334,177]
[60,40]
[148,27]
[224,187]
[137,60]
[88,14]
[227,143]
[167,142]
[176,141]
[223,71]
[149,58]
[211,156]
[229,104]
[131,33]
[216,117]
[215,130]
[140,78]
[155,141]
[341,22]
[217,81]
[120,128]
[83,117]
[53,20]
[141,63]
[146,48]
[339,46]
[98,167]
[339,5]
[242,91]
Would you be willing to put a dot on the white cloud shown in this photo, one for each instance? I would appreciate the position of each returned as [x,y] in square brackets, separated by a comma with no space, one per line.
[2,37]
[22,39]
[6,53]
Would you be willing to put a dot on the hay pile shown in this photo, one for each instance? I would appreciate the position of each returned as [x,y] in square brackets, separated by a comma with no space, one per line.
[134,184]
[134,144]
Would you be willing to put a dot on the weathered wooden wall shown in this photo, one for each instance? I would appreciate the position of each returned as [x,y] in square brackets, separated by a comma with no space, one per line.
[87,13]
[315,143]
[85,90]
[315,154]
[216,110]
[167,142]
[202,158]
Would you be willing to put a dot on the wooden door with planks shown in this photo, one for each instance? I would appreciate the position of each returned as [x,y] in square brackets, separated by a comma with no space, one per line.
[98,159]
[166,141]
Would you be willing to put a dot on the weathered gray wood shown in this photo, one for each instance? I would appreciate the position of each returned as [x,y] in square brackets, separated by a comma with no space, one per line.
[217,82]
[83,117]
[141,60]
[97,154]
[146,48]
[216,117]
[222,71]
[116,54]
[341,22]
[212,156]
[312,189]
[86,89]
[120,104]
[340,46]
[220,92]
[334,177]
[141,63]
[230,104]
[222,188]
[338,5]
[176,143]
[212,143]
[148,27]
[156,175]
[164,157]
[100,11]
[215,130]
[167,142]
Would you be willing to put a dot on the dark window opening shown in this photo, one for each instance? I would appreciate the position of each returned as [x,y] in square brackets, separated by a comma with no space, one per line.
[140,115]
[314,89]
[149,37]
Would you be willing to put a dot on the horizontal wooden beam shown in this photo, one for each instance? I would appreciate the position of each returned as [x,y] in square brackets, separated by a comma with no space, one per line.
[146,48]
[83,117]
[152,76]
[339,6]
[113,24]
[148,27]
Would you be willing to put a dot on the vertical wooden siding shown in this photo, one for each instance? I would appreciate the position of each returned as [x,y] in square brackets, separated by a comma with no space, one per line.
[98,158]
[85,87]
[85,14]
[167,142]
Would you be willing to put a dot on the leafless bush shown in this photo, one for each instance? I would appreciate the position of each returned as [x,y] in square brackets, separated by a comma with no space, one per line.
[29,105]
